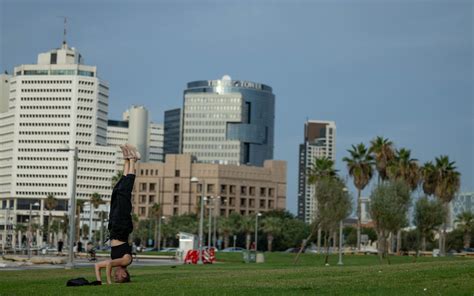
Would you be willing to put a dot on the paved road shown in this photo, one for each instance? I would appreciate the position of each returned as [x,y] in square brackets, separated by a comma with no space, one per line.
[86,263]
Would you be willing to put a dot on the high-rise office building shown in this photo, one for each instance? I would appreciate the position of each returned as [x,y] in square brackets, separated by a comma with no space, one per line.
[55,103]
[463,202]
[4,92]
[172,132]
[319,141]
[228,121]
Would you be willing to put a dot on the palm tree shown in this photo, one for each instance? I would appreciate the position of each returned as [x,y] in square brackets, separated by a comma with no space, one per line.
[55,228]
[19,229]
[448,182]
[272,227]
[360,169]
[227,227]
[465,221]
[96,201]
[383,151]
[428,178]
[155,214]
[116,178]
[102,216]
[406,169]
[322,167]
[79,207]
[50,204]
[247,226]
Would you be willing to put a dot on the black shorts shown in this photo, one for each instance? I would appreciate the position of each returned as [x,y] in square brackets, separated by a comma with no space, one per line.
[120,251]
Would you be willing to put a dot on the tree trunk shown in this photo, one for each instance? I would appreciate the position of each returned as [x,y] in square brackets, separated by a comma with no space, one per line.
[326,246]
[423,242]
[399,241]
[101,230]
[334,240]
[303,246]
[445,226]
[467,239]
[156,234]
[380,249]
[359,217]
[270,242]
[49,227]
[248,237]
[319,240]
[226,240]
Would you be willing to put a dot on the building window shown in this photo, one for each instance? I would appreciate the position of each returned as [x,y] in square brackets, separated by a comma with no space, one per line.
[151,199]
[210,188]
[176,173]
[142,211]
[263,191]
[146,172]
[262,203]
[152,186]
[232,189]
[142,187]
[243,190]
[243,202]
[176,200]
[143,198]
[270,204]
[223,189]
[252,191]
[251,203]
[271,192]
[175,212]
[176,188]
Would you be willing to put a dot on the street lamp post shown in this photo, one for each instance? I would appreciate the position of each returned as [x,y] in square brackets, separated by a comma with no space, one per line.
[214,239]
[159,232]
[209,235]
[90,221]
[72,205]
[201,220]
[256,231]
[30,235]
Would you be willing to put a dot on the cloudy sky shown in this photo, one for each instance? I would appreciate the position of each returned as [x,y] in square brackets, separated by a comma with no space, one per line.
[400,69]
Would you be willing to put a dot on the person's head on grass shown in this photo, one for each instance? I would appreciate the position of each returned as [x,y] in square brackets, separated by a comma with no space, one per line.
[121,274]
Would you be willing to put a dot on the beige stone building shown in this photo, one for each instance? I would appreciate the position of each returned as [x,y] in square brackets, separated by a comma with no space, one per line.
[231,188]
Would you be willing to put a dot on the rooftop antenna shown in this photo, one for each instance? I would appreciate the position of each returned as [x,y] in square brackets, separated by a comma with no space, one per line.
[65,27]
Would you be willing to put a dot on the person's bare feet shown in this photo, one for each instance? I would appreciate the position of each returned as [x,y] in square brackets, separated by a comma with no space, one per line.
[125,151]
[133,151]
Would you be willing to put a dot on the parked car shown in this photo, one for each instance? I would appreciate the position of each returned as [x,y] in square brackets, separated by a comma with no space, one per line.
[169,250]
[292,250]
[232,249]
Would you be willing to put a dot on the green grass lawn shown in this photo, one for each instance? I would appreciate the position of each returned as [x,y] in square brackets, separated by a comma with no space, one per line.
[361,275]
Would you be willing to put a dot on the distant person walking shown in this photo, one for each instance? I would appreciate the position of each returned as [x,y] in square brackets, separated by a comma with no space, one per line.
[60,247]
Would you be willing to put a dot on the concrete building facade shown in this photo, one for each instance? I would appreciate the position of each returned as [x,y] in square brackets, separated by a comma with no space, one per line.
[242,189]
[319,141]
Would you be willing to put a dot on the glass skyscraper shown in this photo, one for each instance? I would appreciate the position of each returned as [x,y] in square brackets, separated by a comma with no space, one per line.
[172,131]
[228,121]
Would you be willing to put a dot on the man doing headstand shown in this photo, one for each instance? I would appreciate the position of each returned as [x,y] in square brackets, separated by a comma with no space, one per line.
[120,222]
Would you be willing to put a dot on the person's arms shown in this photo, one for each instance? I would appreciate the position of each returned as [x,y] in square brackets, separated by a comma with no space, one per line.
[98,266]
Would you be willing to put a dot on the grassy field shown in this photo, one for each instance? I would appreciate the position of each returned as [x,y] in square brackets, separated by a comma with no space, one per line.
[361,275]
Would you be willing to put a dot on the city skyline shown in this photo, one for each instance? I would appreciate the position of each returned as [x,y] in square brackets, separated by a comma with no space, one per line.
[337,58]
